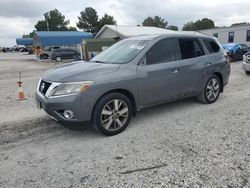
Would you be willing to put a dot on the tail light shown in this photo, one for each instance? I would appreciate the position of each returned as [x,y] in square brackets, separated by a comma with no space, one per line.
[228,58]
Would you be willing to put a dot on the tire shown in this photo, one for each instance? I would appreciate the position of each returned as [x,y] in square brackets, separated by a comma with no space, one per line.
[45,56]
[106,117]
[58,59]
[211,91]
[247,72]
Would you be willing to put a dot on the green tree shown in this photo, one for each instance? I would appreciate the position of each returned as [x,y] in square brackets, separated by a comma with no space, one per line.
[149,21]
[189,26]
[30,35]
[88,20]
[106,19]
[71,28]
[54,21]
[41,25]
[173,27]
[156,22]
[204,23]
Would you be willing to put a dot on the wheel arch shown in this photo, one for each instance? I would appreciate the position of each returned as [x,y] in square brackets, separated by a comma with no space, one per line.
[221,79]
[125,92]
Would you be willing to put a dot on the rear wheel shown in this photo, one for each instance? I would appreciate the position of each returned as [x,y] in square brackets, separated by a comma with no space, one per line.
[112,114]
[247,72]
[211,90]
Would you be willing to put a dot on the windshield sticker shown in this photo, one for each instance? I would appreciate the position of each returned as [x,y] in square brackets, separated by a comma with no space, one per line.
[137,47]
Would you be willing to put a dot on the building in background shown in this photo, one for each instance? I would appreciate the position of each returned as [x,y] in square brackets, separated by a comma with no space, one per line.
[59,38]
[120,32]
[92,47]
[45,40]
[235,34]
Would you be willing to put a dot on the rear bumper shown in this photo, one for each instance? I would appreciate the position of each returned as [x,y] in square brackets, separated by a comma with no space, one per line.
[80,104]
[226,73]
[246,66]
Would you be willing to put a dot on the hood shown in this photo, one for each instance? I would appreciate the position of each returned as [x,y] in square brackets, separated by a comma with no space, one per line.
[79,71]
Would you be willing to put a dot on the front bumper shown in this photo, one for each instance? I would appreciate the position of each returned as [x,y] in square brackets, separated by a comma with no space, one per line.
[81,104]
[246,66]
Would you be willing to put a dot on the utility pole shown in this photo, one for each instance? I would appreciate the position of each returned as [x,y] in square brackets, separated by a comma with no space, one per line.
[46,16]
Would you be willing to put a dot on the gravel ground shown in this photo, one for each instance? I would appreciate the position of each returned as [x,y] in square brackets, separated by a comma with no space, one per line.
[180,144]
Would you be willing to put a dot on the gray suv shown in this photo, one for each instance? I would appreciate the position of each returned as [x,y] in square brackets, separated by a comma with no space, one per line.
[64,53]
[134,74]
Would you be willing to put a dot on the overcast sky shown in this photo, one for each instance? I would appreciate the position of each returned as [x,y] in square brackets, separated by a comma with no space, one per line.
[19,16]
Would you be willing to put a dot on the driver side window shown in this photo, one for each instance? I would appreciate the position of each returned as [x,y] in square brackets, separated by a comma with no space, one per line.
[161,52]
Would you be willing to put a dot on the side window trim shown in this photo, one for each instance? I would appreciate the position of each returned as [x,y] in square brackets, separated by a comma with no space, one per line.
[203,46]
[200,45]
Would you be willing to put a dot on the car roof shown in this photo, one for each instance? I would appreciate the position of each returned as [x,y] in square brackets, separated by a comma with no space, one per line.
[177,34]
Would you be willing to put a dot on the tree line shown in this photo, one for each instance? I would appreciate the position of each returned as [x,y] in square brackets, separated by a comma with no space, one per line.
[89,21]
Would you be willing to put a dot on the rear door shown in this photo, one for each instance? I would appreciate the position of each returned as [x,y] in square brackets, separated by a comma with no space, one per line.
[158,75]
[193,63]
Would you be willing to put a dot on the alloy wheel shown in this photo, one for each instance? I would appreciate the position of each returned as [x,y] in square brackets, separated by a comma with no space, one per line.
[58,59]
[213,89]
[114,115]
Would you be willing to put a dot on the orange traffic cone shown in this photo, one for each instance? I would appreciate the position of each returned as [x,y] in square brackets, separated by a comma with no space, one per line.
[20,95]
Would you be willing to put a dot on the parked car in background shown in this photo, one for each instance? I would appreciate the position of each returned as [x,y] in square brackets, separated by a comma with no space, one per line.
[131,75]
[64,53]
[236,51]
[23,49]
[246,63]
[46,53]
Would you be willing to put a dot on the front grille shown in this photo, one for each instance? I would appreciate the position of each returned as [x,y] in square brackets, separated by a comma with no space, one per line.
[44,86]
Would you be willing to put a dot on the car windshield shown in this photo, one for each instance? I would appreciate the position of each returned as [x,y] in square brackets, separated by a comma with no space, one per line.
[121,52]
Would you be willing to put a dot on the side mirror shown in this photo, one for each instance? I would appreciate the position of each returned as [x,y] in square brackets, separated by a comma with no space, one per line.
[142,61]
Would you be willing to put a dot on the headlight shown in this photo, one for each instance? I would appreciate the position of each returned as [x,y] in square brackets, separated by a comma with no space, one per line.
[70,88]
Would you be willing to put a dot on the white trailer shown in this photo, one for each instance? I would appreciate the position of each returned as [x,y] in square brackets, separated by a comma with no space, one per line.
[236,34]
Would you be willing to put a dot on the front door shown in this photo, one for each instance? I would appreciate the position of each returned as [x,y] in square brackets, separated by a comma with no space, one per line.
[158,75]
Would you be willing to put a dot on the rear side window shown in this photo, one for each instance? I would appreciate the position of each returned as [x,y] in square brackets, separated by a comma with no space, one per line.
[190,48]
[211,45]
[161,52]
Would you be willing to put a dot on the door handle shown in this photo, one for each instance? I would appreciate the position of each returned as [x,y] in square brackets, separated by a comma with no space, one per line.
[208,63]
[175,70]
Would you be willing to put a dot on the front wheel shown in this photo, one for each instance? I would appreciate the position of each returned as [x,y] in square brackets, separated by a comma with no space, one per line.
[112,114]
[58,59]
[211,90]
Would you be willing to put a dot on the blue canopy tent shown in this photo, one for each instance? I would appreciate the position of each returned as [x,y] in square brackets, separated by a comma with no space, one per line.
[59,38]
[24,41]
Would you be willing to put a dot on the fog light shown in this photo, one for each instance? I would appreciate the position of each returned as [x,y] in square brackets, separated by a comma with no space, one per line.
[68,114]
